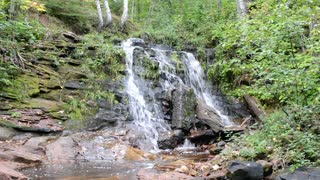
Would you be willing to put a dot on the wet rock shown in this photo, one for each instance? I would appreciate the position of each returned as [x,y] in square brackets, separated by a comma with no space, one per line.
[72,37]
[209,116]
[184,104]
[244,170]
[138,42]
[63,149]
[171,139]
[202,136]
[134,154]
[105,118]
[7,133]
[301,173]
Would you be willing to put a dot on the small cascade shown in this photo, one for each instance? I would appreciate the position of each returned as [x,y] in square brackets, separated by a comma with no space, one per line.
[195,78]
[147,120]
[146,108]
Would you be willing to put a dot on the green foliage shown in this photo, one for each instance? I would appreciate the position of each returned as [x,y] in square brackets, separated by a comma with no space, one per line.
[286,138]
[182,25]
[106,57]
[272,55]
[7,74]
[79,15]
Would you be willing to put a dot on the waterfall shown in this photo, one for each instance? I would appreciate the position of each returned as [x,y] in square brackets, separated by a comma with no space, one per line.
[195,78]
[148,123]
[145,109]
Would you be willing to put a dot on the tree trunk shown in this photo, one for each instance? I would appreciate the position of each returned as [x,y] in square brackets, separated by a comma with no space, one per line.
[108,11]
[242,8]
[219,6]
[124,16]
[254,107]
[100,18]
[132,9]
[11,9]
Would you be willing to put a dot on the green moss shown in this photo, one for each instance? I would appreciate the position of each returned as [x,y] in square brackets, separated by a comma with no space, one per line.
[23,87]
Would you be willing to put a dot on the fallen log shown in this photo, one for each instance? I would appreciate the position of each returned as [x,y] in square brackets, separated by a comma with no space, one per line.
[254,107]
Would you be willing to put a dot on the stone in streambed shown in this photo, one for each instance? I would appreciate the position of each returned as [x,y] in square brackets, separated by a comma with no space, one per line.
[170,139]
[134,154]
[244,170]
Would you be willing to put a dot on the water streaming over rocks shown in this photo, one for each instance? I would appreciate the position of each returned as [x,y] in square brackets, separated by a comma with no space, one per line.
[153,75]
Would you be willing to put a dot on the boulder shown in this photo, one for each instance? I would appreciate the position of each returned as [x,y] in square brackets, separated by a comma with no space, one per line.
[171,139]
[184,105]
[244,170]
[301,173]
[209,116]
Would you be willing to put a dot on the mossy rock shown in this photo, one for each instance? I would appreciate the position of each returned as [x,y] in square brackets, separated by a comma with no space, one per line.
[52,83]
[54,95]
[46,105]
[23,87]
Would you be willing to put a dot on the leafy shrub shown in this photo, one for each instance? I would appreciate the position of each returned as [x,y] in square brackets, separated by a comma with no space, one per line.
[285,137]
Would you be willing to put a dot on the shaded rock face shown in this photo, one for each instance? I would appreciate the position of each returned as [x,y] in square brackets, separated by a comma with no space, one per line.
[111,114]
[184,105]
[301,173]
[244,170]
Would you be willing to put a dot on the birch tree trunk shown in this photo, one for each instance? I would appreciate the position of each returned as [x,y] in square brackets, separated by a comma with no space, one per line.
[219,6]
[11,9]
[108,11]
[124,16]
[100,18]
[242,8]
[132,9]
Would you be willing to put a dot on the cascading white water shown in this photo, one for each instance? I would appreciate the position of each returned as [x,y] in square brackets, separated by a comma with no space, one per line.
[149,123]
[148,118]
[195,78]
